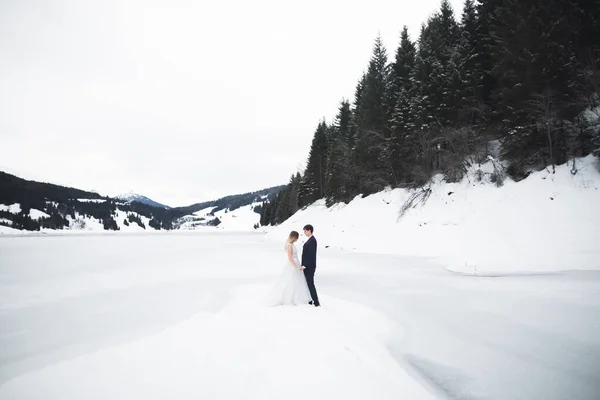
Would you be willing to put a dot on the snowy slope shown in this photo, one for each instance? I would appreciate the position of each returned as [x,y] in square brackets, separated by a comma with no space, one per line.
[132,226]
[89,224]
[240,219]
[545,222]
[37,214]
[82,223]
[197,220]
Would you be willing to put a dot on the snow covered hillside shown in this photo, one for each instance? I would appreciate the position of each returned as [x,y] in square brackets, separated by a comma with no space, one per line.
[29,207]
[545,222]
[241,219]
[244,218]
[126,221]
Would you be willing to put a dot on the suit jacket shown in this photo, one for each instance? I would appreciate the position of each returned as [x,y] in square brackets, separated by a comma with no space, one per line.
[309,253]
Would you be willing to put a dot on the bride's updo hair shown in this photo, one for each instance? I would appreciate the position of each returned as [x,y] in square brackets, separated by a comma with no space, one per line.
[293,236]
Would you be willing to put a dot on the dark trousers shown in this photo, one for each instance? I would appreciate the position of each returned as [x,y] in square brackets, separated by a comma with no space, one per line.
[309,273]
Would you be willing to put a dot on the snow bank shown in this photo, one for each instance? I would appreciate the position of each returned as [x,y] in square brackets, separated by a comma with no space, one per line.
[5,230]
[547,222]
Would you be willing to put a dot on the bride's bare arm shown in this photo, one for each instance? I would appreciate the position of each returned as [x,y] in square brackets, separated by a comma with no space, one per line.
[289,253]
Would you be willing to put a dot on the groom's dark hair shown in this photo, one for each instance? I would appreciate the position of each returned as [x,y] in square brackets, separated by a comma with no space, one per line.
[309,228]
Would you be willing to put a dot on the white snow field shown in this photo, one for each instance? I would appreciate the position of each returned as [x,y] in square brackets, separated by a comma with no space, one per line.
[178,315]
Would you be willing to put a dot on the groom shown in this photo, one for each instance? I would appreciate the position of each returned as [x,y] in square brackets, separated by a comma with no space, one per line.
[309,262]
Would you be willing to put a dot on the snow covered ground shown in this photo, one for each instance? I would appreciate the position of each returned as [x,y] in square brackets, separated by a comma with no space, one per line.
[547,222]
[179,315]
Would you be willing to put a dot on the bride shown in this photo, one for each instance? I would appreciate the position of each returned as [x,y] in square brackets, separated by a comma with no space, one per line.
[291,287]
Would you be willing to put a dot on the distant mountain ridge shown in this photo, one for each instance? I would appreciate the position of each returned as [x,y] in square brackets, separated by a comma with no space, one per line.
[30,205]
[131,196]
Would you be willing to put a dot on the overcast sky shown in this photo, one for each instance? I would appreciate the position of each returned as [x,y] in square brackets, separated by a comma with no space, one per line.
[182,101]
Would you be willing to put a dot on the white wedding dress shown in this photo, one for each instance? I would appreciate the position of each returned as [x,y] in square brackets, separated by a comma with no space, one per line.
[291,287]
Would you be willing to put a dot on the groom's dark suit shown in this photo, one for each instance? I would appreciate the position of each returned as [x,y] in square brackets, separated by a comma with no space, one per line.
[309,261]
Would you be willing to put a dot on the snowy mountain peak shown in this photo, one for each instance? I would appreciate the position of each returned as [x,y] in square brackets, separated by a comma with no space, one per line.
[132,196]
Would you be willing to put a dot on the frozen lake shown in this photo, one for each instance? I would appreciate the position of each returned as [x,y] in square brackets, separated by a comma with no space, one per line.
[180,315]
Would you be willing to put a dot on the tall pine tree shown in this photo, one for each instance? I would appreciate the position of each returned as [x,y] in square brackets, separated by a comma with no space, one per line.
[372,124]
[470,109]
[446,91]
[339,158]
[312,187]
[401,118]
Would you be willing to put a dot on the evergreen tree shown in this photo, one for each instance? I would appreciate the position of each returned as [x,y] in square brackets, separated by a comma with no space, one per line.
[294,185]
[485,48]
[264,212]
[110,224]
[357,111]
[445,35]
[586,19]
[467,66]
[404,62]
[374,90]
[435,93]
[283,205]
[155,224]
[539,78]
[372,125]
[273,209]
[339,156]
[422,103]
[403,67]
[312,187]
